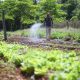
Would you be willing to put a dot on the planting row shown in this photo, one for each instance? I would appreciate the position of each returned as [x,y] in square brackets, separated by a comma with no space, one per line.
[54,64]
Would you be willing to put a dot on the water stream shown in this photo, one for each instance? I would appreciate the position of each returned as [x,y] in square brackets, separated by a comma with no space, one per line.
[34,32]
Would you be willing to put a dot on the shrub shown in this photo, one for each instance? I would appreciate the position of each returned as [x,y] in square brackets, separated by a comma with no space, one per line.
[1,54]
[29,70]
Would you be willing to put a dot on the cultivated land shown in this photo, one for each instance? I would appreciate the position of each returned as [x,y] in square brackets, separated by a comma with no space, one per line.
[22,59]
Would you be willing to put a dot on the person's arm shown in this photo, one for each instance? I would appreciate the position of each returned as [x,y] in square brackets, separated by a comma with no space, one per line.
[52,21]
[44,21]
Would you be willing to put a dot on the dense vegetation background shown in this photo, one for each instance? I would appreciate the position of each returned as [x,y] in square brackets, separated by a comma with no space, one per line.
[21,14]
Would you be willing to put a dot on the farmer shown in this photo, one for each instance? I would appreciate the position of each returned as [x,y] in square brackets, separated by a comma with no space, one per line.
[48,23]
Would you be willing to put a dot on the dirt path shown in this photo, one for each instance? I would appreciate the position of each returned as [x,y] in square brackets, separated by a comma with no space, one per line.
[43,43]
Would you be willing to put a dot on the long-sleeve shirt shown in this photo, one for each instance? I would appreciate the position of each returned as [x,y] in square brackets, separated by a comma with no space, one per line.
[48,21]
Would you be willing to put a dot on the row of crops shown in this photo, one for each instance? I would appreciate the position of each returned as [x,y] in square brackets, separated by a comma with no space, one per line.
[64,34]
[55,64]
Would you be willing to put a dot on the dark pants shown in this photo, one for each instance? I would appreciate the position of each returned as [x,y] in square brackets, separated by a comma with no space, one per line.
[48,32]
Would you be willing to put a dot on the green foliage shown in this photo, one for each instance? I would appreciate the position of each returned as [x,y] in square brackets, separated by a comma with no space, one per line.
[63,65]
[78,39]
[1,55]
[19,11]
[70,7]
[59,35]
[54,8]
[70,34]
[17,61]
[27,70]
[26,12]
[76,12]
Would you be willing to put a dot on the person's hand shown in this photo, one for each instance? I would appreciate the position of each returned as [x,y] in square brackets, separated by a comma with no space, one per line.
[52,23]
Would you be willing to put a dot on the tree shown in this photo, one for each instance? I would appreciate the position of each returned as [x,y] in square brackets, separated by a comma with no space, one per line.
[3,21]
[53,7]
[76,12]
[28,11]
[69,7]
[18,10]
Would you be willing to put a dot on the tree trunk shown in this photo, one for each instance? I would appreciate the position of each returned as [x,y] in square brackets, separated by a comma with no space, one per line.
[17,20]
[35,1]
[4,26]
[67,24]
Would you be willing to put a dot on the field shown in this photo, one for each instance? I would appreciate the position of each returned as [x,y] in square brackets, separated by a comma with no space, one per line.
[64,33]
[26,53]
[51,64]
[50,60]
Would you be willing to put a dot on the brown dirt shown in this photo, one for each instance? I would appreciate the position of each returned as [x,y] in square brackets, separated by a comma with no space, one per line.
[9,72]
[45,44]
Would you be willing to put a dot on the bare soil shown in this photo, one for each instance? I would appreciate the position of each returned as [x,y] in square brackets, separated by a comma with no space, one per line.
[9,72]
[45,44]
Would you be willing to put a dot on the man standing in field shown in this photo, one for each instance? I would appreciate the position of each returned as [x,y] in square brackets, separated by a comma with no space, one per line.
[48,23]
